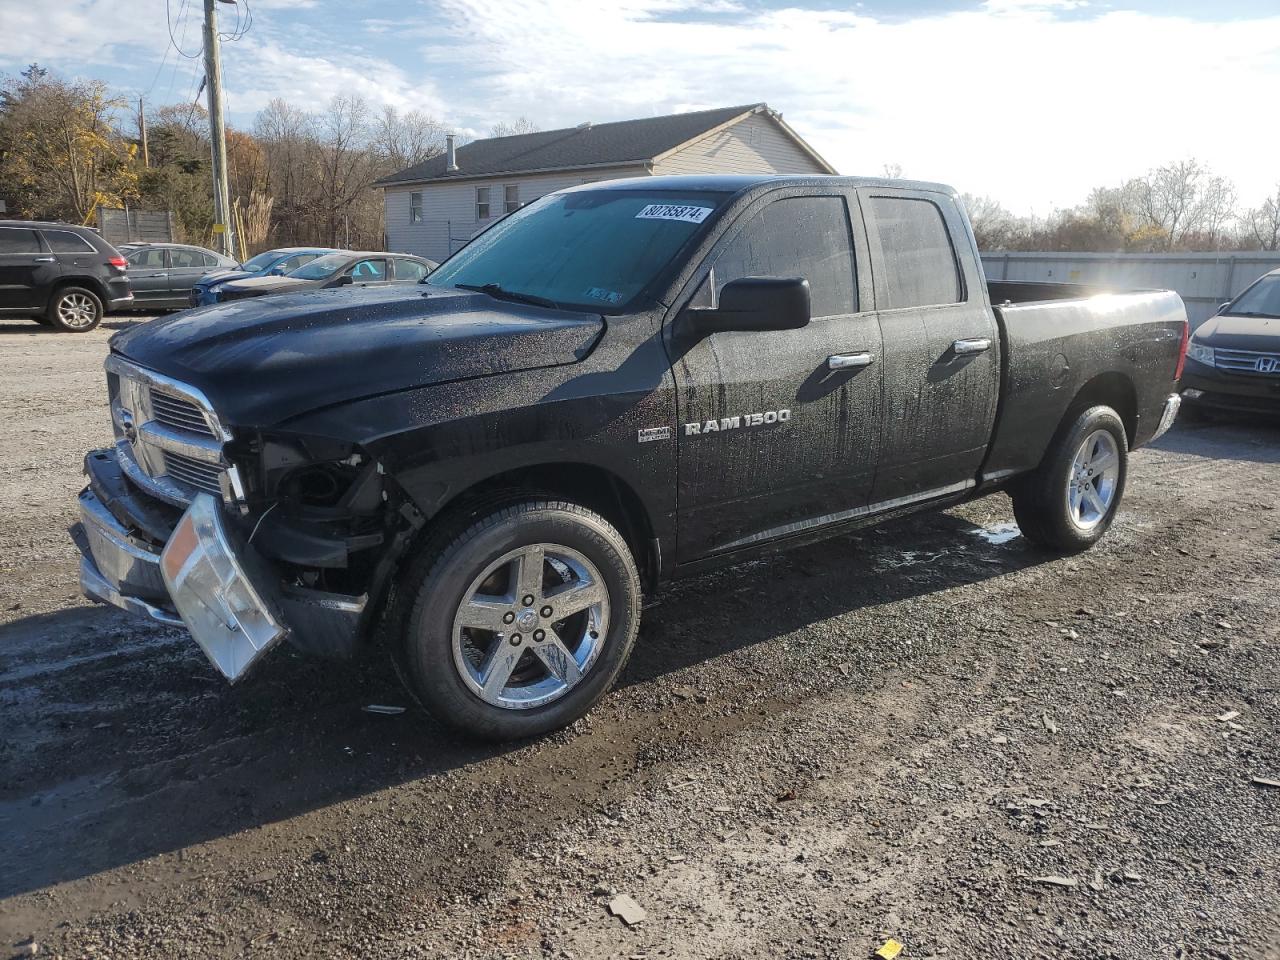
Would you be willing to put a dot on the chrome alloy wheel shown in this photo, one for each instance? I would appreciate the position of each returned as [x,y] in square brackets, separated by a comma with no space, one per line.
[530,626]
[77,311]
[1095,474]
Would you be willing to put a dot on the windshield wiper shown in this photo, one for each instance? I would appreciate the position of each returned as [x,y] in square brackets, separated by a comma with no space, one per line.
[495,290]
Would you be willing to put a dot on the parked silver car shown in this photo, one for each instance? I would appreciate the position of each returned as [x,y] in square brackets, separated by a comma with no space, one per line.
[162,274]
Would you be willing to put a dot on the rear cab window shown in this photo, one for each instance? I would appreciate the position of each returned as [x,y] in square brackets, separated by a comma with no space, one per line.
[913,252]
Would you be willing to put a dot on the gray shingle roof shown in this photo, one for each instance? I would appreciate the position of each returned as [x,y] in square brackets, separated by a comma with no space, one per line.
[601,144]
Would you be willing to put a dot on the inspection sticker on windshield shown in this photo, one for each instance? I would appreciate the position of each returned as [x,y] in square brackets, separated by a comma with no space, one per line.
[674,211]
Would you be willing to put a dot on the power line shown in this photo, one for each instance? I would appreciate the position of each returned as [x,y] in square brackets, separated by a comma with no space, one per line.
[174,40]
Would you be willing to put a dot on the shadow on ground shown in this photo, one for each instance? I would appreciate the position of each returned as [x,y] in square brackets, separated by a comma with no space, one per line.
[120,742]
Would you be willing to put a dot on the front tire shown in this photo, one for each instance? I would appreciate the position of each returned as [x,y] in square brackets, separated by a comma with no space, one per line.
[1070,501]
[74,310]
[521,622]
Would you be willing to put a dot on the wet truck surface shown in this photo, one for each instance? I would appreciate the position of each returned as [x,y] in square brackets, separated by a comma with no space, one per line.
[618,384]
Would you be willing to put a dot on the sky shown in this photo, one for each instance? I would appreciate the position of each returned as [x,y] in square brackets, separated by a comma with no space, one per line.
[1032,102]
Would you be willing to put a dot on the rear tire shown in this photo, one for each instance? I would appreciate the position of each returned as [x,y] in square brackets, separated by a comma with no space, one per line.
[1070,501]
[486,661]
[74,310]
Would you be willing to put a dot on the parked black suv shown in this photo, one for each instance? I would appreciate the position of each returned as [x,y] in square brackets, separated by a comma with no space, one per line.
[63,275]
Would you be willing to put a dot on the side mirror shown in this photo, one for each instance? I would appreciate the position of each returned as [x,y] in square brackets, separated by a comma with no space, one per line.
[276,272]
[345,280]
[756,303]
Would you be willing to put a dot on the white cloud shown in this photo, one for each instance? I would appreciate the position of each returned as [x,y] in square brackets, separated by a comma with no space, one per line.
[1031,101]
[258,71]
[1014,100]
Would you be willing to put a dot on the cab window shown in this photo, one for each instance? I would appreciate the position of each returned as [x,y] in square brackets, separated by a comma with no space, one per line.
[915,260]
[804,237]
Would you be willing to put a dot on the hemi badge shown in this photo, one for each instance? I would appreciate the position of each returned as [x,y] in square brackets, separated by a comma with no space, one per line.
[655,433]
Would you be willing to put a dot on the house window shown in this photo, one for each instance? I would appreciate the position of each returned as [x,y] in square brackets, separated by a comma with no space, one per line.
[415,207]
[510,197]
[482,203]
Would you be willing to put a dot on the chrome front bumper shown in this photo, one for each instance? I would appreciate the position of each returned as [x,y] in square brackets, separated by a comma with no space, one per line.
[203,579]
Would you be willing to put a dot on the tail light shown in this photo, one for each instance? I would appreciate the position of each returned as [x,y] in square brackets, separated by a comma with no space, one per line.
[1182,350]
[118,262]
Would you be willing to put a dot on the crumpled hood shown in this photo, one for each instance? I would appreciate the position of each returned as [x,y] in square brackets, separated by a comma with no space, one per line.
[1240,333]
[264,361]
[222,276]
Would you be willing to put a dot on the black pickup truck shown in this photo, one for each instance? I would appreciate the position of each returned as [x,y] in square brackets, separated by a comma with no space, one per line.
[615,385]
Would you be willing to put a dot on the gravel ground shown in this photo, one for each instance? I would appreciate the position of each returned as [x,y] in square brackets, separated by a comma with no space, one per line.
[928,731]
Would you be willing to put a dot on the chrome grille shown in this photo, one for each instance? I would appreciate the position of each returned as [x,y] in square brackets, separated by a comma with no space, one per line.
[178,413]
[168,437]
[1247,361]
[194,473]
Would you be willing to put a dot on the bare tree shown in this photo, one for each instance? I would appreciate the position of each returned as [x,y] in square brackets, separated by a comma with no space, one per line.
[994,227]
[513,128]
[1263,223]
[892,171]
[1183,198]
[347,166]
[406,139]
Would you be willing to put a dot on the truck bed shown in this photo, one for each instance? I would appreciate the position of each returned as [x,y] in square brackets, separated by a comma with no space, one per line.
[1059,337]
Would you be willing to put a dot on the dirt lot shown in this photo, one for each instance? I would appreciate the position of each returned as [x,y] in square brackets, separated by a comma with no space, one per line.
[929,731]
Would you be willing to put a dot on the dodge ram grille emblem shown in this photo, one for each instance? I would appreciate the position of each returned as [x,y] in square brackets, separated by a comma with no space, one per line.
[1268,364]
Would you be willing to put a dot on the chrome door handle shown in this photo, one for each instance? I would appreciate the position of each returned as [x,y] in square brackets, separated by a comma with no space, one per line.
[44,259]
[850,361]
[976,345]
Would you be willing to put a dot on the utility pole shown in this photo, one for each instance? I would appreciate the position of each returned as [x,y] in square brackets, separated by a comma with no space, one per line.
[217,132]
[142,133]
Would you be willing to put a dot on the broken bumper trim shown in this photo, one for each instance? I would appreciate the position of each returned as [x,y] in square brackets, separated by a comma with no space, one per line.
[1172,404]
[197,572]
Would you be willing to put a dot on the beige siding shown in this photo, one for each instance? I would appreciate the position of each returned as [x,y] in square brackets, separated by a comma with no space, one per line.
[753,145]
[449,209]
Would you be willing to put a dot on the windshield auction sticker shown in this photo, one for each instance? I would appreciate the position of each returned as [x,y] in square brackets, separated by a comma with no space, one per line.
[674,211]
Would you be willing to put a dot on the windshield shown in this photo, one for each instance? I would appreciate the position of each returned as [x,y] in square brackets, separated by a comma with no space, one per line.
[321,268]
[1262,299]
[261,261]
[595,249]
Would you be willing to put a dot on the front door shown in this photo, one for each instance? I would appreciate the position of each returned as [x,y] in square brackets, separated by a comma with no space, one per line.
[27,270]
[942,353]
[775,436]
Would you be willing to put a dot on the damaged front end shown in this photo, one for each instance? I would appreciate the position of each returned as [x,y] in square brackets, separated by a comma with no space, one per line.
[246,540]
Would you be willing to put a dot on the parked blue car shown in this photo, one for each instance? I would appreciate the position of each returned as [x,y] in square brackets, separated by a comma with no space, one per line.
[269,263]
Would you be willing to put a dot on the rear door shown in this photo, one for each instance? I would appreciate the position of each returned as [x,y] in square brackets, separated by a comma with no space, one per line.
[186,266]
[27,269]
[941,349]
[773,440]
[148,274]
